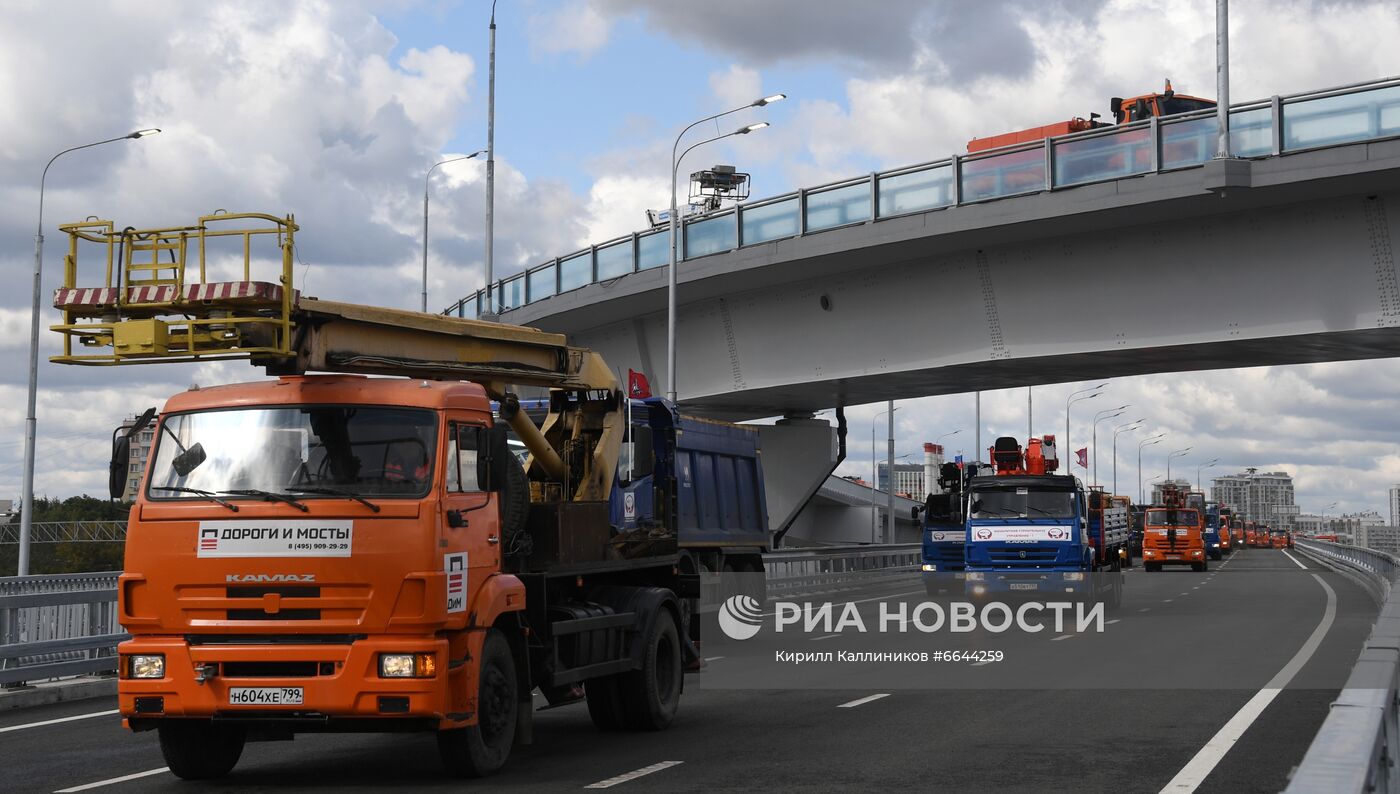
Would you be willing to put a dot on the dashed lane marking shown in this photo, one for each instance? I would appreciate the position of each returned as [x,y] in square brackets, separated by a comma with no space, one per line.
[60,719]
[713,658]
[1061,637]
[862,701]
[633,775]
[1294,559]
[825,637]
[114,780]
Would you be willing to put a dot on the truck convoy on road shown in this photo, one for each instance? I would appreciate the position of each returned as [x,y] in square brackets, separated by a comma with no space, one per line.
[343,553]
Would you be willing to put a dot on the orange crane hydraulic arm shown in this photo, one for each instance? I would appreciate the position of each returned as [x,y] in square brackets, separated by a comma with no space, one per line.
[152,308]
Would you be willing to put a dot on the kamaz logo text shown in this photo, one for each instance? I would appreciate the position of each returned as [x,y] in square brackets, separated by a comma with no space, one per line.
[270,577]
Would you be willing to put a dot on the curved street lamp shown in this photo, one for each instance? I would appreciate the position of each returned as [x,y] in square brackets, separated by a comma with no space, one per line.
[1136,424]
[1146,442]
[424,306]
[1177,454]
[26,518]
[671,277]
[1107,413]
[1212,462]
[1071,400]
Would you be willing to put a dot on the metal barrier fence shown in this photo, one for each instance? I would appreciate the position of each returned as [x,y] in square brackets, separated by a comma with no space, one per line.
[795,572]
[67,532]
[59,625]
[1357,748]
[1270,127]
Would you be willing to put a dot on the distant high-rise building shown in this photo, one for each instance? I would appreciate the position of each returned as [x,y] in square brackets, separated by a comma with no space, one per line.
[908,479]
[1395,506]
[1258,496]
[141,445]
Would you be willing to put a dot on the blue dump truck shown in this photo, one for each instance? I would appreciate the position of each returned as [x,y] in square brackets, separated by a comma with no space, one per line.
[1212,531]
[1028,530]
[702,477]
[944,528]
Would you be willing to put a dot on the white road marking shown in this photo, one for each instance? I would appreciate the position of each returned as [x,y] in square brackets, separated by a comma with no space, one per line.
[825,637]
[1205,760]
[111,781]
[646,770]
[1167,600]
[979,664]
[862,701]
[60,719]
[1294,559]
[1111,622]
[1061,637]
[713,658]
[1185,594]
[1145,609]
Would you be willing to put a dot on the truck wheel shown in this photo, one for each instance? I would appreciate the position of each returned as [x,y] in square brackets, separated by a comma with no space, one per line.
[481,749]
[604,702]
[200,750]
[1151,567]
[650,695]
[1198,567]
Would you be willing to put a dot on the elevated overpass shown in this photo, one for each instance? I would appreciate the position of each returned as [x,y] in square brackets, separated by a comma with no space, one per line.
[1118,251]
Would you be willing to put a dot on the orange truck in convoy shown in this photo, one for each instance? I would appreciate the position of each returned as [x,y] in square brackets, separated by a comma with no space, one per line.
[345,553]
[1173,534]
[1263,536]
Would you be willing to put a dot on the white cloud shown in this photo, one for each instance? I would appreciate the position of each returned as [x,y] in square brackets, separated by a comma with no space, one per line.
[575,28]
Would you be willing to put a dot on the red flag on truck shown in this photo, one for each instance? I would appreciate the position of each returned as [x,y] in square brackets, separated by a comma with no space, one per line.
[637,385]
[1083,454]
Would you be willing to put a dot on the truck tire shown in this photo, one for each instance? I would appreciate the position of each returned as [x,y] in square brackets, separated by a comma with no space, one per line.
[197,750]
[1151,567]
[605,702]
[482,749]
[650,695]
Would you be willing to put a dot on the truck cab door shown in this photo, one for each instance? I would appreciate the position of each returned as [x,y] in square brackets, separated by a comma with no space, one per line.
[469,527]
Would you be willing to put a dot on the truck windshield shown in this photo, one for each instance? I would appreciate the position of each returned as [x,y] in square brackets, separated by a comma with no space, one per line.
[1022,502]
[367,450]
[1172,518]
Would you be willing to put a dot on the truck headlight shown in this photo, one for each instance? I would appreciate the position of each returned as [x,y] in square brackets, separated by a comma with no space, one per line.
[1195,552]
[407,665]
[929,568]
[1215,545]
[146,665]
[975,576]
[1074,577]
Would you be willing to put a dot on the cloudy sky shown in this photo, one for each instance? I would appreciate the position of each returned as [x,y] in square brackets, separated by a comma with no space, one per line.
[334,111]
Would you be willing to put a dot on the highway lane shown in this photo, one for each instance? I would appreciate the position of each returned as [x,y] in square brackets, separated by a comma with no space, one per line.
[1133,739]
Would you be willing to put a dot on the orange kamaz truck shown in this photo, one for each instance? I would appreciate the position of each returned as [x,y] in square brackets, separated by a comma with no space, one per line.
[343,553]
[1173,534]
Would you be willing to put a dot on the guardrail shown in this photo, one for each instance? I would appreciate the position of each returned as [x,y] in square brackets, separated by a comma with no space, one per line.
[1358,746]
[1278,125]
[794,572]
[60,625]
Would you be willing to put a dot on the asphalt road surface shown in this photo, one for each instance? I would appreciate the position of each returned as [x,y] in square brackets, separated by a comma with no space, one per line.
[1256,612]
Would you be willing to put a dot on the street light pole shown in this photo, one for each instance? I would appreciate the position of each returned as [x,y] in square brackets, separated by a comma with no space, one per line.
[1146,442]
[490,309]
[1072,399]
[671,277]
[424,305]
[31,422]
[874,477]
[1099,417]
[1177,454]
[1129,427]
[1204,466]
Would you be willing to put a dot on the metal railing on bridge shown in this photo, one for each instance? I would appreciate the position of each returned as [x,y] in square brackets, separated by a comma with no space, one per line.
[1358,746]
[67,532]
[1278,125]
[58,625]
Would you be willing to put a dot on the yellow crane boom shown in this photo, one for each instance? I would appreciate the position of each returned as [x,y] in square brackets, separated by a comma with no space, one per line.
[160,300]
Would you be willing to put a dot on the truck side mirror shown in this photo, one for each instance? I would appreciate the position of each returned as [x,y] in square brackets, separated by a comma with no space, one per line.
[120,466]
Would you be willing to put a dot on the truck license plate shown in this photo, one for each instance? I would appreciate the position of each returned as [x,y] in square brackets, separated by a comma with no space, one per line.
[1023,585]
[265,696]
[1173,556]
